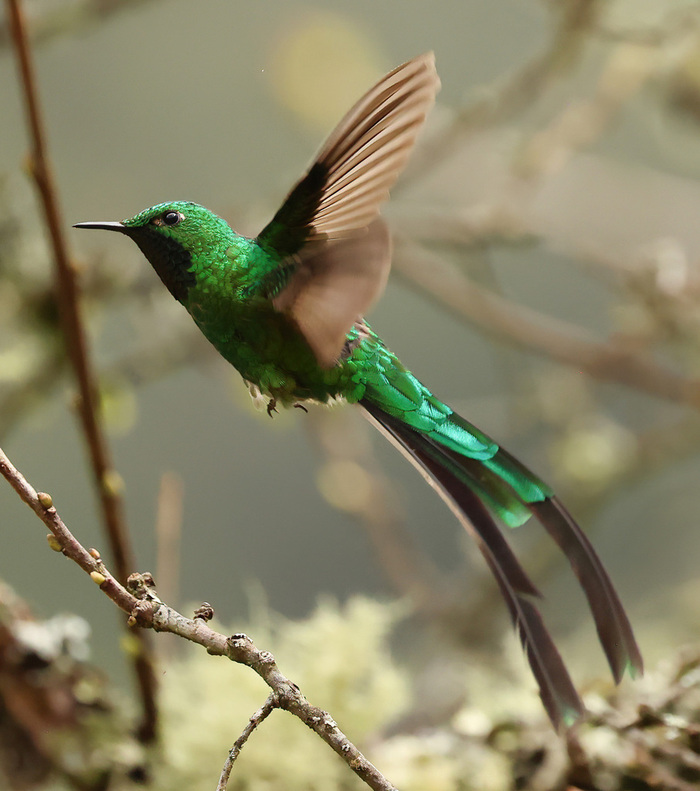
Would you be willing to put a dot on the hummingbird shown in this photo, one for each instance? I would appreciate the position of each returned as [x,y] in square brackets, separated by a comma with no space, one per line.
[286,310]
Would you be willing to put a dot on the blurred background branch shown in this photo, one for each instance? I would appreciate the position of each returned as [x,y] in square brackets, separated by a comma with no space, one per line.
[48,20]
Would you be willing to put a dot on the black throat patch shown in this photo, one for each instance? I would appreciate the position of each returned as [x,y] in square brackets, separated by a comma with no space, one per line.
[169,258]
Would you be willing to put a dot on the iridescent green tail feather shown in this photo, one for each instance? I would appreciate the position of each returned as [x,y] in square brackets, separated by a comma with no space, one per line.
[477,478]
[557,690]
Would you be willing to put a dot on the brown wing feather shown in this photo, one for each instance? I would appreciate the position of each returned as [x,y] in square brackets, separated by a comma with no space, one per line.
[331,286]
[330,223]
[370,146]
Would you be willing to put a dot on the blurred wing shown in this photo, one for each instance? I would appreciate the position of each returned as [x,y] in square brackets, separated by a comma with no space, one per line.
[333,285]
[326,232]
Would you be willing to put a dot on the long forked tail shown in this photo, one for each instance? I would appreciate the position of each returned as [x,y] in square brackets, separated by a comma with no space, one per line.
[492,480]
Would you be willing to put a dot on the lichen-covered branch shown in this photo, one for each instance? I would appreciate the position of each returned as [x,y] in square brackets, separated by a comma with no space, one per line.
[146,610]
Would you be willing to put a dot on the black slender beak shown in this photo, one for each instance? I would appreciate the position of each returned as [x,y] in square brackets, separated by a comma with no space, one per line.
[104,226]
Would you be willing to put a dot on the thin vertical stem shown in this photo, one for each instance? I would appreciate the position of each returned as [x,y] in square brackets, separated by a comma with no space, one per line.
[107,481]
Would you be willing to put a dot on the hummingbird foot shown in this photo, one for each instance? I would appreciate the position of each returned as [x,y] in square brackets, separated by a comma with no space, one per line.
[271,406]
[301,406]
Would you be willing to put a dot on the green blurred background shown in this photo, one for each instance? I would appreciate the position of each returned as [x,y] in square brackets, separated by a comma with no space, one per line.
[559,170]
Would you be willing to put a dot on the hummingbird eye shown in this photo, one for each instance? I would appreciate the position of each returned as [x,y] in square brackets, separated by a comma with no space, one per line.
[172,217]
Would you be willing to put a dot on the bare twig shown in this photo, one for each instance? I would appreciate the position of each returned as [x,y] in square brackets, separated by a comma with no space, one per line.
[146,610]
[260,715]
[106,479]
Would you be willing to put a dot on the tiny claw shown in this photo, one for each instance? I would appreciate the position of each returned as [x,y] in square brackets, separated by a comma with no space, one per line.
[301,406]
[271,406]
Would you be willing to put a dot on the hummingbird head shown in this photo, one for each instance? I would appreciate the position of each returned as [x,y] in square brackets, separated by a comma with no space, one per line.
[171,235]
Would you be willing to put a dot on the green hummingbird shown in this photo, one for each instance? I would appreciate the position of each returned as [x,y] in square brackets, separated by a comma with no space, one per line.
[286,308]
